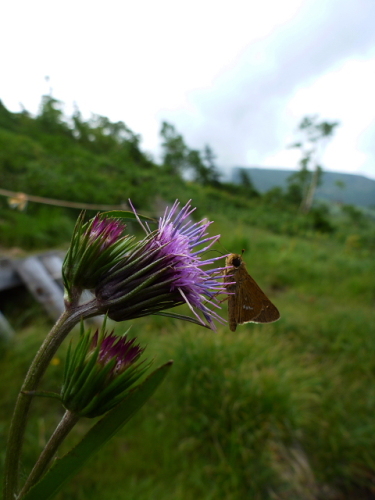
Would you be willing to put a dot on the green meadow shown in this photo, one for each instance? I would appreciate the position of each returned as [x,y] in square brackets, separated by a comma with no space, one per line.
[278,411]
[284,410]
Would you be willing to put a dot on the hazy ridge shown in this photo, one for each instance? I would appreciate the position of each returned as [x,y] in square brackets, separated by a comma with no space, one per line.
[356,189]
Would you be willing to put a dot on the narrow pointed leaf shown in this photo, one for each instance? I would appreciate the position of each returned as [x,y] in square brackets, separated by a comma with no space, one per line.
[181,316]
[96,437]
[125,215]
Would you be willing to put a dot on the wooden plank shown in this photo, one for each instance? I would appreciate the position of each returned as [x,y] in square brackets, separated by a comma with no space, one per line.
[6,331]
[42,275]
[53,263]
[41,285]
[8,276]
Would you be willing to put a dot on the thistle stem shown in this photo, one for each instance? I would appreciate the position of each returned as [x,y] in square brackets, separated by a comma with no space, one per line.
[52,342]
[62,430]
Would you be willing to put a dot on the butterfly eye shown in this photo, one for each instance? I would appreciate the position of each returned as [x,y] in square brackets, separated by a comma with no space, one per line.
[236,262]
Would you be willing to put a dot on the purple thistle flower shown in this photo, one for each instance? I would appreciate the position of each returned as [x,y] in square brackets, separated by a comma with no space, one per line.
[96,247]
[165,270]
[100,371]
[121,349]
[108,231]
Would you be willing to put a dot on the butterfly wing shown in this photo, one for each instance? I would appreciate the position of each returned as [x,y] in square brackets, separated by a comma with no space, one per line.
[268,314]
[232,291]
[249,303]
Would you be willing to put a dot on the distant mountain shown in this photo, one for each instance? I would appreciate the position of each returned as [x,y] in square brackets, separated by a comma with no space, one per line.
[343,188]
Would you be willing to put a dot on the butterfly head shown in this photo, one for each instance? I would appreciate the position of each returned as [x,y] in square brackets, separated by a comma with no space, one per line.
[235,260]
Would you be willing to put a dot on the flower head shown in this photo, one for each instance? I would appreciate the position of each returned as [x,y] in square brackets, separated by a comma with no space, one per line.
[107,231]
[100,371]
[122,350]
[165,270]
[96,246]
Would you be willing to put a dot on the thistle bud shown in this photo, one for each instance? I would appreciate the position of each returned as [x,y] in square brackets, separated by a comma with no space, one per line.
[100,371]
[95,247]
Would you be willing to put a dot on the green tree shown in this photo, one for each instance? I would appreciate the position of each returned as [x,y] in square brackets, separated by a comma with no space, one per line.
[194,163]
[102,136]
[179,159]
[202,166]
[314,137]
[213,174]
[298,183]
[174,149]
[247,184]
[51,116]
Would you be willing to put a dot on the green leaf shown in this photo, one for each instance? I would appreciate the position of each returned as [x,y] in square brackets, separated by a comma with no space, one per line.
[42,394]
[96,437]
[122,214]
[181,316]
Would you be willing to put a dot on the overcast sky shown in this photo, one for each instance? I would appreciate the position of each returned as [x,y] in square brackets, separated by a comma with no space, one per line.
[237,75]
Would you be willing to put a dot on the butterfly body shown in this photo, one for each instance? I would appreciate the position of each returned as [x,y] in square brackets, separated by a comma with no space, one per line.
[246,301]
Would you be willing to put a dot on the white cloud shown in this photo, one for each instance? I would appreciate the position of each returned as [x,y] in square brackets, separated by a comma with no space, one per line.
[344,95]
[238,76]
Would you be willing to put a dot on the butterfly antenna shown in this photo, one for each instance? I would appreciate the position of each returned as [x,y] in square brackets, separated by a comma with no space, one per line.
[226,251]
[213,250]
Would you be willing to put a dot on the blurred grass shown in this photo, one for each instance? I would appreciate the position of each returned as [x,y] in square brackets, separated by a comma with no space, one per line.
[279,411]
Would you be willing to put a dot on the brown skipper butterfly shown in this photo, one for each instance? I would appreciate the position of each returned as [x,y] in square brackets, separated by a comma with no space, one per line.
[246,301]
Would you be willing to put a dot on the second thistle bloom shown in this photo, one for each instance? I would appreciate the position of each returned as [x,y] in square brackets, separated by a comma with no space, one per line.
[100,372]
[165,270]
[96,246]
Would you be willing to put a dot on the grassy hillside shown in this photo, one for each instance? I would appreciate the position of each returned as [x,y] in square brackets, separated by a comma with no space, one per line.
[272,411]
[278,411]
[99,162]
